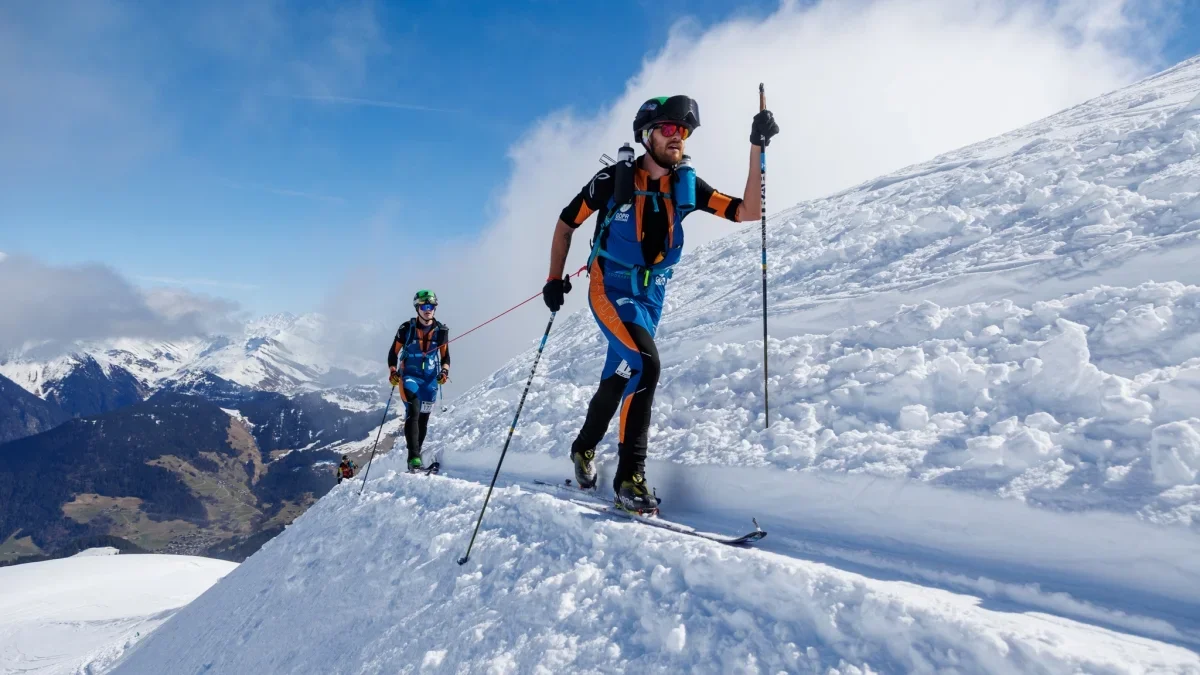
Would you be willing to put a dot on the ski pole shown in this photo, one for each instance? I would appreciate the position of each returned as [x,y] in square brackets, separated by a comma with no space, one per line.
[762,157]
[511,429]
[385,412]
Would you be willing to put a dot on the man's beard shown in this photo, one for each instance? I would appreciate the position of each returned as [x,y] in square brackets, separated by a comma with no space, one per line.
[662,159]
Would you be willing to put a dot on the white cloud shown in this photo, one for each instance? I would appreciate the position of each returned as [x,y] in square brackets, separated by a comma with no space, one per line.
[55,305]
[859,89]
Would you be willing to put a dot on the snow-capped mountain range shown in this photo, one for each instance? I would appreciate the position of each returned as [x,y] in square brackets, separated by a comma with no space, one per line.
[282,353]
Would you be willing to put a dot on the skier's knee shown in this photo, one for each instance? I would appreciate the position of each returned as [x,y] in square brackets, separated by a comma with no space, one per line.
[650,364]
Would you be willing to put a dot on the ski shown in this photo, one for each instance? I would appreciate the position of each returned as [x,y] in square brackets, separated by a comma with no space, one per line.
[588,500]
[431,470]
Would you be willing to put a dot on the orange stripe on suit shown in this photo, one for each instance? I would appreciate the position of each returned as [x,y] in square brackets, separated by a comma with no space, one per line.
[605,310]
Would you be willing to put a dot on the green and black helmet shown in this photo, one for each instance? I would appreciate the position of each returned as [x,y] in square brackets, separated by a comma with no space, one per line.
[425,296]
[681,109]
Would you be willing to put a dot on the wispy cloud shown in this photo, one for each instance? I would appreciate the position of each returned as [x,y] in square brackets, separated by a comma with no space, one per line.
[370,102]
[284,192]
[213,283]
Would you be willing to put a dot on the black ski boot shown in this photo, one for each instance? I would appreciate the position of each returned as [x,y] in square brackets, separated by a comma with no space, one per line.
[585,468]
[633,496]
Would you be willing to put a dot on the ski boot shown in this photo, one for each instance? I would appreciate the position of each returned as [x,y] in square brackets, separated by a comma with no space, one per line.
[585,468]
[414,464]
[633,496]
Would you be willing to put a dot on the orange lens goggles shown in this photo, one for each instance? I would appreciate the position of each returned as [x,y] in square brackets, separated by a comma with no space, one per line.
[670,129]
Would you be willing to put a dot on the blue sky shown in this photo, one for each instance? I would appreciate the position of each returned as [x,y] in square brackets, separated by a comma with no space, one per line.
[257,150]
[260,163]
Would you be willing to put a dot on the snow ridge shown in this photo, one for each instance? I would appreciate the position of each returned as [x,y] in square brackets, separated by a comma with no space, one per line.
[551,588]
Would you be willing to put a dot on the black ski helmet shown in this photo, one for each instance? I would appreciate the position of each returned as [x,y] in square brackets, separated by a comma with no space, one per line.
[345,457]
[681,109]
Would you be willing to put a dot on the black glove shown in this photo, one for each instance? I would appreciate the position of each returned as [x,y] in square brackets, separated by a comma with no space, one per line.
[764,128]
[553,292]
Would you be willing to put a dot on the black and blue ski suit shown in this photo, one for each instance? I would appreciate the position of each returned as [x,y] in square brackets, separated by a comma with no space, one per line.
[634,255]
[418,354]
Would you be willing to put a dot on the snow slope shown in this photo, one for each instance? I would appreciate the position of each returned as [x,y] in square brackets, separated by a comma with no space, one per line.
[554,589]
[982,456]
[79,614]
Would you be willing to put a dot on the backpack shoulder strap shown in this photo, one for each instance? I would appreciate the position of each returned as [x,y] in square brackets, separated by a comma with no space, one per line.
[601,227]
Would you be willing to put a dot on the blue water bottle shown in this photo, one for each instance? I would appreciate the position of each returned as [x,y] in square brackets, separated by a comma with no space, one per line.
[684,188]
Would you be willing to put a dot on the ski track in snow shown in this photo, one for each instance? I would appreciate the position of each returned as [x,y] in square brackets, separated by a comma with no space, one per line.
[984,378]
[78,615]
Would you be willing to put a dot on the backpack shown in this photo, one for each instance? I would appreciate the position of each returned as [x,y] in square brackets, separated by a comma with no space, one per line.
[624,199]
[441,337]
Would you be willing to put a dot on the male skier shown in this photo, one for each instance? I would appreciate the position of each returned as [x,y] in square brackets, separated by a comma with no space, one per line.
[419,363]
[638,238]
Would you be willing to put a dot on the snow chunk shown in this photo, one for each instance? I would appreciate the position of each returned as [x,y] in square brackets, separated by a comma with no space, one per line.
[913,417]
[1175,452]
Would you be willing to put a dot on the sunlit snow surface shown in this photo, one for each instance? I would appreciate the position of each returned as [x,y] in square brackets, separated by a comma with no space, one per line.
[370,585]
[79,614]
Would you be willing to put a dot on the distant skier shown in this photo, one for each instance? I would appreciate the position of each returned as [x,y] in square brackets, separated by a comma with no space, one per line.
[640,206]
[419,363]
[346,469]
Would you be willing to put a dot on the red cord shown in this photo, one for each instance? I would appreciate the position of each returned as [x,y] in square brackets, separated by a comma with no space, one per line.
[532,297]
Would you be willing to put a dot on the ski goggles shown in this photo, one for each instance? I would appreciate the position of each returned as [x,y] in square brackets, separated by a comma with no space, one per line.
[427,307]
[669,129]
